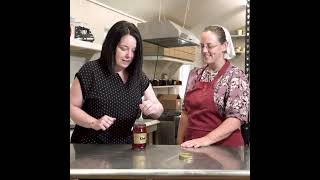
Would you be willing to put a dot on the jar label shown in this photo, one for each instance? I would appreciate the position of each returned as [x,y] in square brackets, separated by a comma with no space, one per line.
[140,138]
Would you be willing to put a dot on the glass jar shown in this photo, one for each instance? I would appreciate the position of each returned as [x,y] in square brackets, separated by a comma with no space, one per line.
[139,135]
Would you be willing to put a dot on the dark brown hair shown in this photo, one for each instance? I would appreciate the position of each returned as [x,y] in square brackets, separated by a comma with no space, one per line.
[116,32]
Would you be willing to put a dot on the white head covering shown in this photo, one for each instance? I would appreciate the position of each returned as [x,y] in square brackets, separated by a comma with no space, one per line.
[230,49]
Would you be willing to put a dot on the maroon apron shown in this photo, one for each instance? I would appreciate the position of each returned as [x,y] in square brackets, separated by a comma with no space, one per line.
[203,116]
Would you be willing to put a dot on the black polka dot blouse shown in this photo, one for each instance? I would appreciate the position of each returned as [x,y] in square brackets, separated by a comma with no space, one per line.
[106,94]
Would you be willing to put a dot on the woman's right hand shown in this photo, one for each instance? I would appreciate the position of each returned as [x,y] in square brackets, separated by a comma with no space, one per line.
[103,123]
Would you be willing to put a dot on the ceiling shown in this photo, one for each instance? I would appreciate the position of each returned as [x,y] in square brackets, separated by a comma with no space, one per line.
[201,13]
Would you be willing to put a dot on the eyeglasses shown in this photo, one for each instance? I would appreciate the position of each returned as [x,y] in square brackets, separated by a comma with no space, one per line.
[209,46]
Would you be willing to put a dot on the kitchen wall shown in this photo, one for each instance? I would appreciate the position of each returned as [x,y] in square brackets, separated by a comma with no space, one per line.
[238,60]
[75,64]
[99,17]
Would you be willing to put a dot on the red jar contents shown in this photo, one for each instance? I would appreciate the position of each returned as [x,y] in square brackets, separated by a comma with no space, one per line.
[139,136]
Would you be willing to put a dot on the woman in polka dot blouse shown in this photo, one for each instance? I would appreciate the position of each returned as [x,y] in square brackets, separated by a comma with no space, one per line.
[106,94]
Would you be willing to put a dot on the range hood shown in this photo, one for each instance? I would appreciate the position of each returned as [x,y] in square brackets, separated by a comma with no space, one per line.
[167,34]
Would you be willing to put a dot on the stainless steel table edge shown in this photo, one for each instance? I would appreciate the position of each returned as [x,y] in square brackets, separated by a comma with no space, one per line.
[158,172]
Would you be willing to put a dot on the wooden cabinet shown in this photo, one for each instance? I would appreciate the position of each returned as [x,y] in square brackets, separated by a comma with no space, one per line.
[183,55]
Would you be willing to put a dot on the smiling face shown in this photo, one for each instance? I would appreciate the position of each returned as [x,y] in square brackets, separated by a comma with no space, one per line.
[211,49]
[125,52]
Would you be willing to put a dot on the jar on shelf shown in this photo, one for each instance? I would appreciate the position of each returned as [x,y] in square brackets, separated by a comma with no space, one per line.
[164,80]
[174,82]
[155,82]
[240,32]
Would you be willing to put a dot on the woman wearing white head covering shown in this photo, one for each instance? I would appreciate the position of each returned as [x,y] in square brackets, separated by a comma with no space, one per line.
[216,102]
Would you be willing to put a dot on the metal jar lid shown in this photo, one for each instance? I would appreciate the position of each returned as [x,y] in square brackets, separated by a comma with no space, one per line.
[185,156]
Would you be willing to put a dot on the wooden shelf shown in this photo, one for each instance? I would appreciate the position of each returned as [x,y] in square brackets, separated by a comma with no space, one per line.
[170,86]
[236,36]
[166,58]
[239,52]
[84,47]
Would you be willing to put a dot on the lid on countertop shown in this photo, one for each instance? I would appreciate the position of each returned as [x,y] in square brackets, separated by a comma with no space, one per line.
[186,157]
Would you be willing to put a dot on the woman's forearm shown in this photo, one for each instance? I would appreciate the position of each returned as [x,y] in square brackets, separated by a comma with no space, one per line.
[80,117]
[183,124]
[158,112]
[224,130]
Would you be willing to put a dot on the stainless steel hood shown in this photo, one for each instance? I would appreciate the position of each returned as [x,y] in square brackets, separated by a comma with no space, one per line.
[167,34]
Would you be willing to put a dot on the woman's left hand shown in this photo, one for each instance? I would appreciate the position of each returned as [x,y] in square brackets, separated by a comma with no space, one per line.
[148,107]
[204,141]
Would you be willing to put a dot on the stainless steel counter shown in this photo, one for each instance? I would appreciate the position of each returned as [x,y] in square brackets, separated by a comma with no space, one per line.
[158,162]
